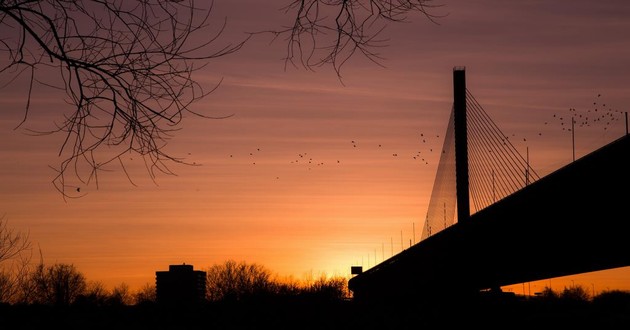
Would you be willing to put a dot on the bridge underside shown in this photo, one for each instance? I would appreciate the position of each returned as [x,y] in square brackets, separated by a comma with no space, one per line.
[574,220]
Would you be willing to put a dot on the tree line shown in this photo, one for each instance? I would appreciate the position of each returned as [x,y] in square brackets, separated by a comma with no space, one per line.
[247,295]
[60,284]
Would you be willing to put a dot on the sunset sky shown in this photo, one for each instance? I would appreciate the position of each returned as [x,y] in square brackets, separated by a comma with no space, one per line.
[313,174]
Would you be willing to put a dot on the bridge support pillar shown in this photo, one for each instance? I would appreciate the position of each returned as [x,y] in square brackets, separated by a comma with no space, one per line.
[461,143]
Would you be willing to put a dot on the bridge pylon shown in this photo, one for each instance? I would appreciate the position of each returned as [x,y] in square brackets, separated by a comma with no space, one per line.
[461,144]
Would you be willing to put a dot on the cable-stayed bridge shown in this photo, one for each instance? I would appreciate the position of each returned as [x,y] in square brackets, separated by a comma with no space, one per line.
[522,227]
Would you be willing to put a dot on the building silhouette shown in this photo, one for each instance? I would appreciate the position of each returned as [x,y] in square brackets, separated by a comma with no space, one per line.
[180,285]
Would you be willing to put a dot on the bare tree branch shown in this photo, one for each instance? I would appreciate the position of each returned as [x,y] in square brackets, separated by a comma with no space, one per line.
[126,68]
[331,32]
[12,243]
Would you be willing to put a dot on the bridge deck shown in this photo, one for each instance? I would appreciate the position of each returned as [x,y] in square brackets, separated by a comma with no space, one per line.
[572,221]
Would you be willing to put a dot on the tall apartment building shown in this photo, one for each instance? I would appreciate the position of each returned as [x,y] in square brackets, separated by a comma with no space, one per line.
[180,285]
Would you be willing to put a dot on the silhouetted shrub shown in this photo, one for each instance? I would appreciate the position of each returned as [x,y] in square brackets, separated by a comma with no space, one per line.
[575,294]
[613,301]
[547,294]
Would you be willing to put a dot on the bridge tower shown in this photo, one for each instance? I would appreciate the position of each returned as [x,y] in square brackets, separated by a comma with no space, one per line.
[461,144]
[463,258]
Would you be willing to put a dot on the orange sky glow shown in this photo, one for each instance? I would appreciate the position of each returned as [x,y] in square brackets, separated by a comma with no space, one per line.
[312,175]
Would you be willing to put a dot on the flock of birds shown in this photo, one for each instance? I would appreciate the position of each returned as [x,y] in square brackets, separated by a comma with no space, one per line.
[600,115]
[599,118]
[304,158]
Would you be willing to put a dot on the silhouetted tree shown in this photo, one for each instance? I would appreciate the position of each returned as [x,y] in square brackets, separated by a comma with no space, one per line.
[145,295]
[59,284]
[15,256]
[333,288]
[126,68]
[326,32]
[289,286]
[8,286]
[95,294]
[12,242]
[236,281]
[548,294]
[121,295]
[240,281]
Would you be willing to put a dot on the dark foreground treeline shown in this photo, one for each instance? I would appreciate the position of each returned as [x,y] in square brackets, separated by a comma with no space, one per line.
[64,285]
[321,307]
[608,310]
